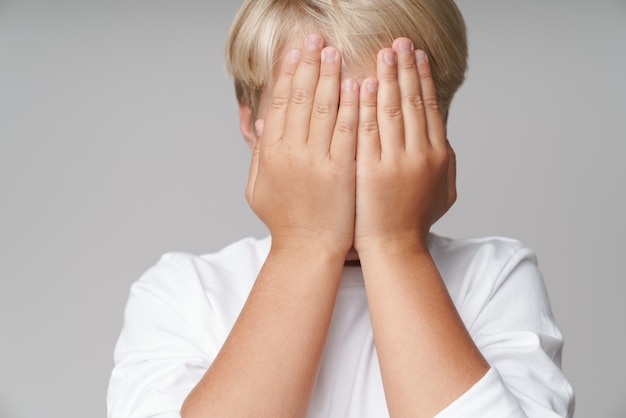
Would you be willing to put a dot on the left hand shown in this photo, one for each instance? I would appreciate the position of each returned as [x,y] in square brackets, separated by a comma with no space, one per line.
[405,166]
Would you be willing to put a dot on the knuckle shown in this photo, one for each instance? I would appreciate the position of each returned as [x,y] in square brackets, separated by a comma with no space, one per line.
[345,127]
[279,102]
[310,59]
[369,103]
[430,162]
[414,101]
[432,104]
[299,96]
[322,110]
[439,158]
[406,64]
[389,77]
[392,112]
[328,72]
[368,127]
[348,103]
[426,75]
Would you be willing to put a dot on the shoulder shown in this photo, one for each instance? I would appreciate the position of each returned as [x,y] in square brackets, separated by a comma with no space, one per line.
[449,250]
[187,295]
[186,287]
[486,255]
[177,271]
[247,251]
[479,270]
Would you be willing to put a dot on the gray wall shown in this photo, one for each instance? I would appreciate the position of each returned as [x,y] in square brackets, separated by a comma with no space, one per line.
[119,141]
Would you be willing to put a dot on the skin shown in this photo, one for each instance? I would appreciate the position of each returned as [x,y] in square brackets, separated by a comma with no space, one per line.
[370,177]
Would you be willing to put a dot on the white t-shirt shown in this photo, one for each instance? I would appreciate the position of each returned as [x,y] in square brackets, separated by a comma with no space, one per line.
[181,311]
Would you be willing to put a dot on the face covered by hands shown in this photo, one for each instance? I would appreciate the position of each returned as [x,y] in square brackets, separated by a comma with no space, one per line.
[336,165]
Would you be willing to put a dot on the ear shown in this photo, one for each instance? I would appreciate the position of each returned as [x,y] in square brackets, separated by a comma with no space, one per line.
[246,125]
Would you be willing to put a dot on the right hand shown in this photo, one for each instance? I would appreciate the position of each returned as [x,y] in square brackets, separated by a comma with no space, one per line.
[303,171]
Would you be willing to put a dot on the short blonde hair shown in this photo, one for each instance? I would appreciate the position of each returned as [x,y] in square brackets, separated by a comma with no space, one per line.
[358,28]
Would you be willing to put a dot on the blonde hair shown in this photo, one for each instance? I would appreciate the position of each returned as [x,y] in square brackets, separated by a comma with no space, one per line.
[358,28]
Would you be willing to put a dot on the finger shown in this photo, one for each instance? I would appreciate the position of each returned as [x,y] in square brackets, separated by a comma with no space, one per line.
[254,164]
[436,130]
[277,112]
[368,148]
[415,129]
[324,113]
[343,145]
[303,89]
[389,106]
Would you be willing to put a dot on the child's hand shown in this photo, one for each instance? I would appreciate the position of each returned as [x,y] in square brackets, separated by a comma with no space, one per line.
[302,176]
[405,166]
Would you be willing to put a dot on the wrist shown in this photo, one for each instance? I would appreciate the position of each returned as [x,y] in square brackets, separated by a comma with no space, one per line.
[307,269]
[388,261]
[303,249]
[387,246]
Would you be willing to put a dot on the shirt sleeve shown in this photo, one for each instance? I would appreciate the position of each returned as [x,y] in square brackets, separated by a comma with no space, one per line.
[160,356]
[516,332]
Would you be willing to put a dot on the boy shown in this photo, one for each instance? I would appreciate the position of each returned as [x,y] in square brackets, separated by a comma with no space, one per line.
[352,309]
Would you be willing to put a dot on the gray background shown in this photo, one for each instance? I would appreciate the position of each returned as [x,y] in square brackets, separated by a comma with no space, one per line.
[119,141]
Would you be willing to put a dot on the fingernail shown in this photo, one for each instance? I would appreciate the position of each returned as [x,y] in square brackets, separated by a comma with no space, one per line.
[348,84]
[329,54]
[389,57]
[293,55]
[314,40]
[421,57]
[405,45]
